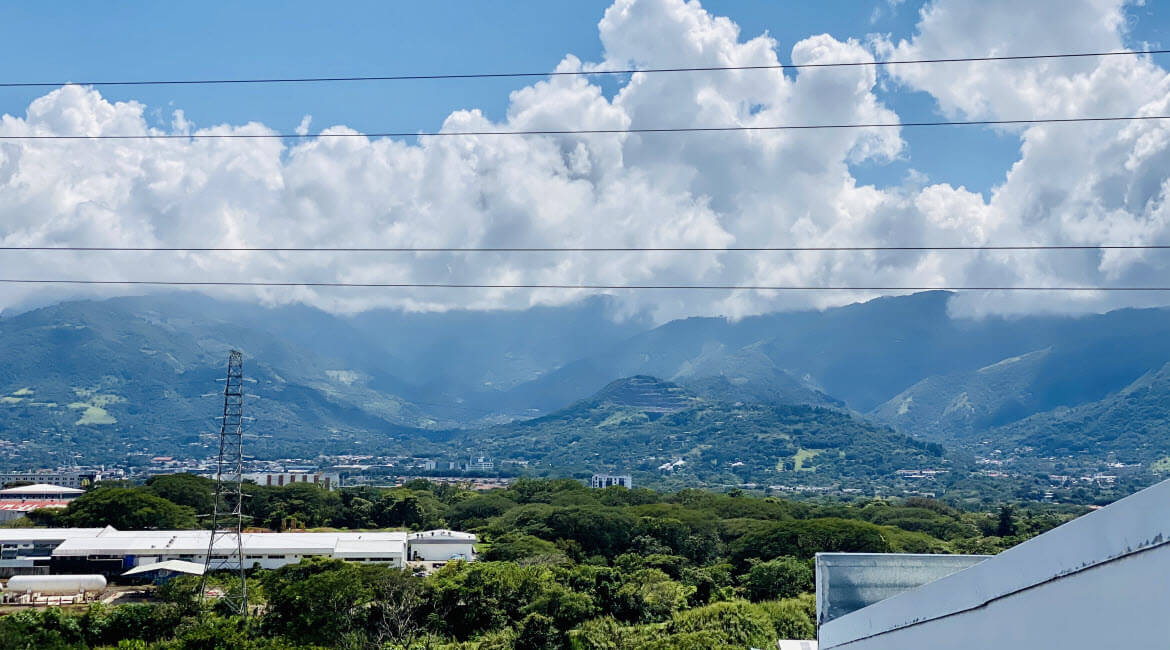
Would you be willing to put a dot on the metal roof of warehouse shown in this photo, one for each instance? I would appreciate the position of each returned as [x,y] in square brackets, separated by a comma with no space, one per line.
[442,535]
[195,541]
[28,505]
[38,534]
[40,488]
[174,566]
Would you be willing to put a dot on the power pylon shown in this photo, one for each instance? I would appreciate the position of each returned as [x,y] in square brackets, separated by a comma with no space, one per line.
[225,549]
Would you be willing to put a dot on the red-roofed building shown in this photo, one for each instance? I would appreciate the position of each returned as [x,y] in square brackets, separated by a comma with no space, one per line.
[19,501]
[17,509]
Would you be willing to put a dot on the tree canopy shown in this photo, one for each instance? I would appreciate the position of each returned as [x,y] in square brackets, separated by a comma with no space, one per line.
[560,565]
[122,508]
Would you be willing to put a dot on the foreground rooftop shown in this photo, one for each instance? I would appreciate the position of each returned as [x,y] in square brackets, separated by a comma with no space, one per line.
[1099,581]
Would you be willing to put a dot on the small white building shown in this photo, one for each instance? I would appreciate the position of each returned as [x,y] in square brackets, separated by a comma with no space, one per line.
[480,464]
[442,546]
[609,480]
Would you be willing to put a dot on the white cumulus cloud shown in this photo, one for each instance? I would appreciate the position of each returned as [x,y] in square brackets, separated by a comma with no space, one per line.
[1071,184]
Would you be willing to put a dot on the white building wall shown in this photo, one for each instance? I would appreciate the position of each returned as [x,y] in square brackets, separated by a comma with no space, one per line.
[847,582]
[1099,582]
[610,480]
[268,550]
[439,552]
[267,561]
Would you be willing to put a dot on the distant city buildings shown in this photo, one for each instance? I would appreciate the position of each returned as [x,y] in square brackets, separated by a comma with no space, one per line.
[609,480]
[78,479]
[327,480]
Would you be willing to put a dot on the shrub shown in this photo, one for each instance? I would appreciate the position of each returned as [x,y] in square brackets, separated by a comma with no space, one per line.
[783,577]
[735,623]
[792,618]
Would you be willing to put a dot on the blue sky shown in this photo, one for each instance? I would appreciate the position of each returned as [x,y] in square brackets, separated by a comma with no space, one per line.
[138,40]
[73,41]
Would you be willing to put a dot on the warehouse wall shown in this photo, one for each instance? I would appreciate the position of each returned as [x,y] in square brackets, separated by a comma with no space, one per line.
[847,582]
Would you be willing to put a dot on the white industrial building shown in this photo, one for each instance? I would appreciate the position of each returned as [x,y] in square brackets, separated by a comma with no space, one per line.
[29,550]
[19,501]
[40,492]
[441,546]
[115,551]
[1099,581]
[111,552]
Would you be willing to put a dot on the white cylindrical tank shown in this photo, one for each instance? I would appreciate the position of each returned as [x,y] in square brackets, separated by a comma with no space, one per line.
[62,585]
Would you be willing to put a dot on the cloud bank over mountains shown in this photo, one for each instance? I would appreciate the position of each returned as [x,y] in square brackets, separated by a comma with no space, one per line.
[1072,184]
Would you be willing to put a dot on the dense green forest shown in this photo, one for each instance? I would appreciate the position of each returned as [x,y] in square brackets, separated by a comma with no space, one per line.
[560,566]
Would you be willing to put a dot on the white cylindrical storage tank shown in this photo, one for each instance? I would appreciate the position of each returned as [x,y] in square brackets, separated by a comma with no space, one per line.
[62,585]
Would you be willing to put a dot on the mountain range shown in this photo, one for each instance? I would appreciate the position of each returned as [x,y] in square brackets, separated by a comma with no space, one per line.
[138,375]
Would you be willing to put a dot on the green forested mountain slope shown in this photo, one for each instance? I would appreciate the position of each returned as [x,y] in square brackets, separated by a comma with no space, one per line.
[1103,355]
[749,375]
[1132,425]
[955,405]
[646,425]
[100,380]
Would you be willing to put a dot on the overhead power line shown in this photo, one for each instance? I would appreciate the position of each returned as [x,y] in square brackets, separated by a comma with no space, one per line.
[643,130]
[587,249]
[671,287]
[567,73]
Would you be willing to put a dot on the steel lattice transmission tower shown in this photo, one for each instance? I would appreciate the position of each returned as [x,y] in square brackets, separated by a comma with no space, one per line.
[225,549]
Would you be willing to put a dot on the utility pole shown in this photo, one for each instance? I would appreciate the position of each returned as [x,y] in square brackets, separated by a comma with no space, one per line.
[225,549]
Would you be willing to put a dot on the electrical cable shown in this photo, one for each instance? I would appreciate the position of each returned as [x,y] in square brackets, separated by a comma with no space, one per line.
[588,249]
[644,130]
[672,287]
[570,73]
